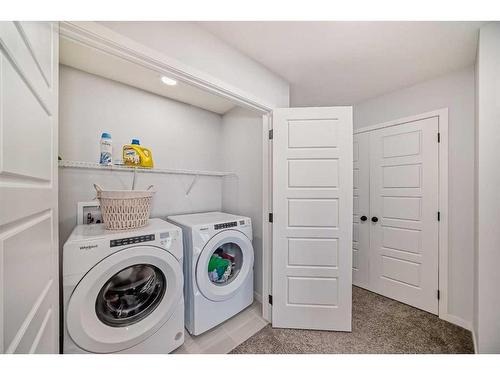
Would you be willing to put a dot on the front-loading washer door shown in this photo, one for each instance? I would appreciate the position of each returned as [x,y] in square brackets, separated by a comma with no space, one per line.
[124,299]
[224,264]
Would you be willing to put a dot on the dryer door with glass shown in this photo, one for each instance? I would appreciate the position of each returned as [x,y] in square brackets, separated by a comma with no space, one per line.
[124,299]
[224,265]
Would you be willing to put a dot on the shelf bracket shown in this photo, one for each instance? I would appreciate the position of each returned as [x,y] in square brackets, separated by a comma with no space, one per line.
[134,179]
[192,184]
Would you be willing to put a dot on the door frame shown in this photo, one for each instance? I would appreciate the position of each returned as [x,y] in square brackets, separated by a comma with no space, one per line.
[94,35]
[443,230]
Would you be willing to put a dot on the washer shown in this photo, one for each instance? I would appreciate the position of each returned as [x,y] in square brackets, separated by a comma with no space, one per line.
[209,303]
[122,291]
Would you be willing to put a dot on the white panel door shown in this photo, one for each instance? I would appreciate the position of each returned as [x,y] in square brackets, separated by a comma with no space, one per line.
[312,225]
[361,210]
[404,207]
[29,297]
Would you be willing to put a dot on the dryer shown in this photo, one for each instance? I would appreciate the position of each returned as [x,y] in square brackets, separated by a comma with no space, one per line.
[123,291]
[207,237]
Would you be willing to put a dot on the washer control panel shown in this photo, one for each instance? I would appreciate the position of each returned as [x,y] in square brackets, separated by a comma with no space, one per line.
[166,239]
[226,225]
[131,240]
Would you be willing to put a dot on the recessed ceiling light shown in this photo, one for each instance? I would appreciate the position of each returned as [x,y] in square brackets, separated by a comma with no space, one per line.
[168,81]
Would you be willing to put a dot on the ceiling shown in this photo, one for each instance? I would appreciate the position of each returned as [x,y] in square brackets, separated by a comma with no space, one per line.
[341,63]
[91,60]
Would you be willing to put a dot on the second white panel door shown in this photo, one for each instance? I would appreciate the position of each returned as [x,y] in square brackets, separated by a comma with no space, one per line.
[403,210]
[395,223]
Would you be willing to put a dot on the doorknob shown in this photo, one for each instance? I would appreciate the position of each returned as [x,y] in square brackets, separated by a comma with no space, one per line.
[363,218]
[374,219]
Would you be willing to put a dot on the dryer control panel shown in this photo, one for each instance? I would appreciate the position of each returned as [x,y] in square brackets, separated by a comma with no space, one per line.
[131,240]
[226,225]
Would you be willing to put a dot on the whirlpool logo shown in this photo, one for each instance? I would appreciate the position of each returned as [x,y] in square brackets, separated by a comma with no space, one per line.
[88,247]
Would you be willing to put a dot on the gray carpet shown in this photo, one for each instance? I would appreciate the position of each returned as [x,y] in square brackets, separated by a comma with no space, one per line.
[380,325]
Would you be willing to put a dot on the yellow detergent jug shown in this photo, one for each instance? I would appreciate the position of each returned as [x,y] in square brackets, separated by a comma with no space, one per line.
[137,156]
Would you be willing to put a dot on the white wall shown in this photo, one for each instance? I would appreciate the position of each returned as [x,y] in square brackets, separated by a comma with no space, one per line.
[476,211]
[487,319]
[180,136]
[242,153]
[456,92]
[192,45]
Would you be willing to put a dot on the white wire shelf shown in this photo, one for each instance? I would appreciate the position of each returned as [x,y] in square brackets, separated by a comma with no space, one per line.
[97,166]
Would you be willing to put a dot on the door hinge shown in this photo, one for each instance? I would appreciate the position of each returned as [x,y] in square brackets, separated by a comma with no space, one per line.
[439,137]
[270,299]
[439,216]
[270,217]
[438,294]
[271,134]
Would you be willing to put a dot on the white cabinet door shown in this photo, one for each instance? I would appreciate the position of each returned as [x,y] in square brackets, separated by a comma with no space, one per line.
[29,297]
[361,210]
[404,199]
[312,226]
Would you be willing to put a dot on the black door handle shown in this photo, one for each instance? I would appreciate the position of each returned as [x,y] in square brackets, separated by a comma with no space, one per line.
[374,219]
[363,218]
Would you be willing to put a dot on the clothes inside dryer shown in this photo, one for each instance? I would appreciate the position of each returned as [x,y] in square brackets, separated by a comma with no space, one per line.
[225,263]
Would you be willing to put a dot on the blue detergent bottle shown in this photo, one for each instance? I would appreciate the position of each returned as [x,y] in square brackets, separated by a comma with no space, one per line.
[106,149]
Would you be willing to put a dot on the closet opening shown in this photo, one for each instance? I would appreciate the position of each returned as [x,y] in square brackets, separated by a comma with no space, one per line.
[207,149]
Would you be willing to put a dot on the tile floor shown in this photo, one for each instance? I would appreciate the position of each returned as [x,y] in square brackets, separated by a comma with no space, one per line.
[227,336]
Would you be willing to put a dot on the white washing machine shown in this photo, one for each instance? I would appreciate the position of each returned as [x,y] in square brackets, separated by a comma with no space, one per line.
[122,290]
[209,237]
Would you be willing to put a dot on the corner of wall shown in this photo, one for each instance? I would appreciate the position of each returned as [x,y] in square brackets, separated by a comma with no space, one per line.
[475,323]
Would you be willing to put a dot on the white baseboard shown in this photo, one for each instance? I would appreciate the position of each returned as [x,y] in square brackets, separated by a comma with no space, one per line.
[474,342]
[257,296]
[457,321]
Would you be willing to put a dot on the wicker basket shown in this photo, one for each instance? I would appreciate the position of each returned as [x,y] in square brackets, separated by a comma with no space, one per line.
[124,209]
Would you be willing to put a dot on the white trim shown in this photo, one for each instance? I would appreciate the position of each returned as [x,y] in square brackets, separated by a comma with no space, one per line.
[402,120]
[474,341]
[453,319]
[102,38]
[257,297]
[442,115]
[267,208]
[443,209]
